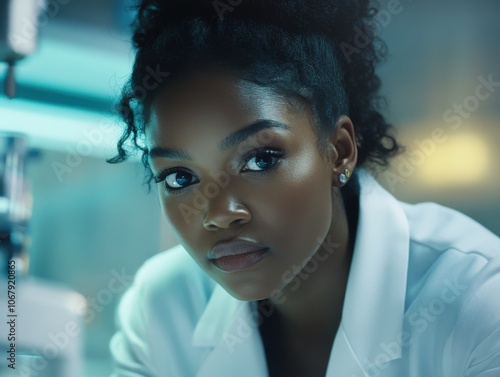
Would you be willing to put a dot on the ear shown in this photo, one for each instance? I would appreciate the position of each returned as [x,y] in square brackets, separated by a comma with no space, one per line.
[344,149]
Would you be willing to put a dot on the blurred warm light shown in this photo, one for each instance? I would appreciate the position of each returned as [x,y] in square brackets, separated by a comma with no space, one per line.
[464,159]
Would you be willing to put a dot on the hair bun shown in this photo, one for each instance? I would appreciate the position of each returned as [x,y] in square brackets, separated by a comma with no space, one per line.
[303,16]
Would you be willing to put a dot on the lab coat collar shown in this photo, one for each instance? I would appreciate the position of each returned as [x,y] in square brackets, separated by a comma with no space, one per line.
[373,306]
[232,331]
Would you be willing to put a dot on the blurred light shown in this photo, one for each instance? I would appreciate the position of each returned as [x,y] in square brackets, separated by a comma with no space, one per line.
[464,159]
[76,68]
[76,303]
[61,128]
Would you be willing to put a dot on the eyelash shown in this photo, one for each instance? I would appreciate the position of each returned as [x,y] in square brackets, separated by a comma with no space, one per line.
[275,153]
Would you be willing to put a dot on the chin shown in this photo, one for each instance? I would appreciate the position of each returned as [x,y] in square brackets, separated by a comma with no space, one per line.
[247,291]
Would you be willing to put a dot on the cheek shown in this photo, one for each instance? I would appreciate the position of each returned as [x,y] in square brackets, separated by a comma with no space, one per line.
[179,215]
[171,210]
[299,205]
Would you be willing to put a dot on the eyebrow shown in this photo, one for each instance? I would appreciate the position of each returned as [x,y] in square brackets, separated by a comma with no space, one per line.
[227,143]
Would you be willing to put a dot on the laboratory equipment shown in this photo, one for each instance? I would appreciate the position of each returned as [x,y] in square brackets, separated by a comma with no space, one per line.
[19,21]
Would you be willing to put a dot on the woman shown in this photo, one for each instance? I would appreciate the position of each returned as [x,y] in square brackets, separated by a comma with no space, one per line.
[258,121]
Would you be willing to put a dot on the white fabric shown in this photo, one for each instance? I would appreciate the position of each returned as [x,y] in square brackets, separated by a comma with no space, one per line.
[423,299]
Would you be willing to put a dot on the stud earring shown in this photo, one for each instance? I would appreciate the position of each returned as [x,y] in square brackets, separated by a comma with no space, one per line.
[344,177]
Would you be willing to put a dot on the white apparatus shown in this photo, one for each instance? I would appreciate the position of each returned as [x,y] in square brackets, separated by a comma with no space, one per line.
[18,34]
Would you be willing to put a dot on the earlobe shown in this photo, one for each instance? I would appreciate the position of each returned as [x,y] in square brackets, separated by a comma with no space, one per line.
[344,144]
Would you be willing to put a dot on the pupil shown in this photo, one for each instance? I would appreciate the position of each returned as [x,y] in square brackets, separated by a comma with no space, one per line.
[263,159]
[181,179]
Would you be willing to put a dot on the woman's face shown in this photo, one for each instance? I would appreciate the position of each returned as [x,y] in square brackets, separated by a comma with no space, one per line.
[271,186]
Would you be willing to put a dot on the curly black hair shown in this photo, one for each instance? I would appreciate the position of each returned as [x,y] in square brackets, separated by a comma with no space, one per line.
[307,51]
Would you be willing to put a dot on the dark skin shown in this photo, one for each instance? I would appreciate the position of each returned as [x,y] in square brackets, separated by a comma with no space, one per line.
[293,209]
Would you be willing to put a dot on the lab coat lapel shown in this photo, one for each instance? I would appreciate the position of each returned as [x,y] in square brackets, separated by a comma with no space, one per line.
[229,329]
[372,319]
[343,361]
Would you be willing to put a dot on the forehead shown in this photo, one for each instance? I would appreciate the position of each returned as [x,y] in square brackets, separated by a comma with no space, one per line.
[214,90]
[215,100]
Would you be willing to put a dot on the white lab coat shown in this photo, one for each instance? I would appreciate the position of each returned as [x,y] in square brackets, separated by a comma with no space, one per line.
[422,300]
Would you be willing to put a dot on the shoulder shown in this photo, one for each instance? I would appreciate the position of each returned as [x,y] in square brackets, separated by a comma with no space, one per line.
[445,244]
[441,228]
[453,285]
[157,316]
[172,276]
[475,341]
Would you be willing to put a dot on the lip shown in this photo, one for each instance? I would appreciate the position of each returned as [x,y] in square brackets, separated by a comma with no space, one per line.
[237,254]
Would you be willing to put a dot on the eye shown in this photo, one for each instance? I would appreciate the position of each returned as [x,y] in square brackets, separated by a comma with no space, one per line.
[175,179]
[263,160]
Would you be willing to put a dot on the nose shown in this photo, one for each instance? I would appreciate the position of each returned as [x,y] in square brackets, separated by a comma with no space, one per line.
[222,212]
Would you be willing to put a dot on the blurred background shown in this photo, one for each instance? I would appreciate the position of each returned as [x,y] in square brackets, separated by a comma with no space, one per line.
[93,222]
